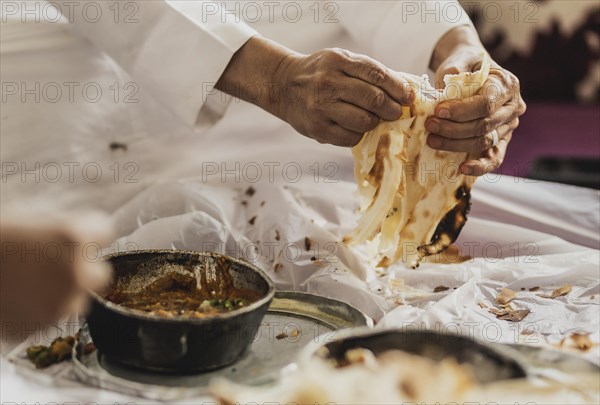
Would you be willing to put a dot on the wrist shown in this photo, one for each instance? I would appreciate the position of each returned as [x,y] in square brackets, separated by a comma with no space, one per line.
[257,74]
[463,39]
[282,87]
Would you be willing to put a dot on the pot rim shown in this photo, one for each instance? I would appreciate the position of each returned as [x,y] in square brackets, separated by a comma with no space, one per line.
[136,313]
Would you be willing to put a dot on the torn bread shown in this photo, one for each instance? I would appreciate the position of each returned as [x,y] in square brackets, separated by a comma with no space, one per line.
[413,199]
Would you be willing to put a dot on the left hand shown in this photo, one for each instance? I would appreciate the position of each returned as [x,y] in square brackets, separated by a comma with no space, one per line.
[467,125]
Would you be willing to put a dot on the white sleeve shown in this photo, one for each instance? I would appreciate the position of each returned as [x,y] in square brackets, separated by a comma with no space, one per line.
[401,34]
[175,50]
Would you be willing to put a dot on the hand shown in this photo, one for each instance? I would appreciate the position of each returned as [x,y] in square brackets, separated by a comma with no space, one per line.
[45,274]
[335,96]
[466,125]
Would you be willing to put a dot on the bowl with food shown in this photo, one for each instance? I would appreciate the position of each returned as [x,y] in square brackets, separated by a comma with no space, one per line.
[178,311]
[486,362]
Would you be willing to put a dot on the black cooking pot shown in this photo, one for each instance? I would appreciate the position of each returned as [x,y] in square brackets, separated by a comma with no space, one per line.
[136,338]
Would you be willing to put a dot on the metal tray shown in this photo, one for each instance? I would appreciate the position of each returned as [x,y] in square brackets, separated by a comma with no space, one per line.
[293,320]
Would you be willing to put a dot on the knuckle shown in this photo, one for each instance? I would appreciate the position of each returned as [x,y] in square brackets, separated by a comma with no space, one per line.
[336,54]
[490,166]
[488,106]
[514,81]
[376,74]
[522,107]
[485,142]
[504,75]
[376,99]
[366,122]
[484,126]
[373,121]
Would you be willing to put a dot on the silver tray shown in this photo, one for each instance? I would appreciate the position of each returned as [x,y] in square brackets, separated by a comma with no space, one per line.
[314,318]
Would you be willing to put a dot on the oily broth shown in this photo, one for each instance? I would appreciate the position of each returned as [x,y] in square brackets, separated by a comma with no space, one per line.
[177,295]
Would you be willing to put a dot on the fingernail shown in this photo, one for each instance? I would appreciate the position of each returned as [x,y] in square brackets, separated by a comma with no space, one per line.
[434,142]
[433,126]
[443,113]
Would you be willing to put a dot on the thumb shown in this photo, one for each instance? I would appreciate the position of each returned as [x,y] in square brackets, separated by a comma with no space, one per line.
[451,66]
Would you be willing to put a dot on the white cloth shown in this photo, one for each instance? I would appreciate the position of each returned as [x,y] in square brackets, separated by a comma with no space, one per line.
[154,147]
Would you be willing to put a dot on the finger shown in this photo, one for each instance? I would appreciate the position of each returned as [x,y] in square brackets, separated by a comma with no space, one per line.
[337,135]
[489,161]
[373,72]
[94,276]
[471,145]
[494,94]
[370,98]
[474,128]
[353,118]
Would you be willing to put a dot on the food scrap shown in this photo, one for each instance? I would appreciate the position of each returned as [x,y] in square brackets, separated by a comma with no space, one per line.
[307,243]
[534,288]
[250,191]
[277,267]
[440,288]
[515,315]
[579,341]
[277,236]
[506,295]
[508,313]
[282,335]
[251,221]
[559,292]
[43,356]
[118,145]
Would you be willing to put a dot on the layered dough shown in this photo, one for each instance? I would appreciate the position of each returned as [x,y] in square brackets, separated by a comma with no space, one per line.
[413,199]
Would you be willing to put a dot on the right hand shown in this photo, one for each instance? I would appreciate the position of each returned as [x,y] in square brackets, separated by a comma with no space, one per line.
[335,96]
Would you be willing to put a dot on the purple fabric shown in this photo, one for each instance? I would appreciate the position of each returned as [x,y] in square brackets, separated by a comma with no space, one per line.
[560,130]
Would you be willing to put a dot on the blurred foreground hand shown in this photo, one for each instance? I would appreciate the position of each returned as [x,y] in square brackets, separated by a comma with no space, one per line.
[46,269]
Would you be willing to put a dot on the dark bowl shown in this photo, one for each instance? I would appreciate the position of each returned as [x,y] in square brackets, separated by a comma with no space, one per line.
[138,339]
[488,362]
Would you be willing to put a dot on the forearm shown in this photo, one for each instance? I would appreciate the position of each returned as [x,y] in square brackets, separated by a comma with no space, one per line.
[252,74]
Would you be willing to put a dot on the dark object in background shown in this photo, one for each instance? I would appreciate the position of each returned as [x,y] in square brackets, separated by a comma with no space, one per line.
[584,172]
[151,342]
[560,59]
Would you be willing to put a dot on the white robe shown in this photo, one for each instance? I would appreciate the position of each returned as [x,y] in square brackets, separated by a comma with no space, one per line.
[147,81]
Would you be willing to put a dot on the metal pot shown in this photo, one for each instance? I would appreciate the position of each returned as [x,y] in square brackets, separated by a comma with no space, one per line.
[136,338]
